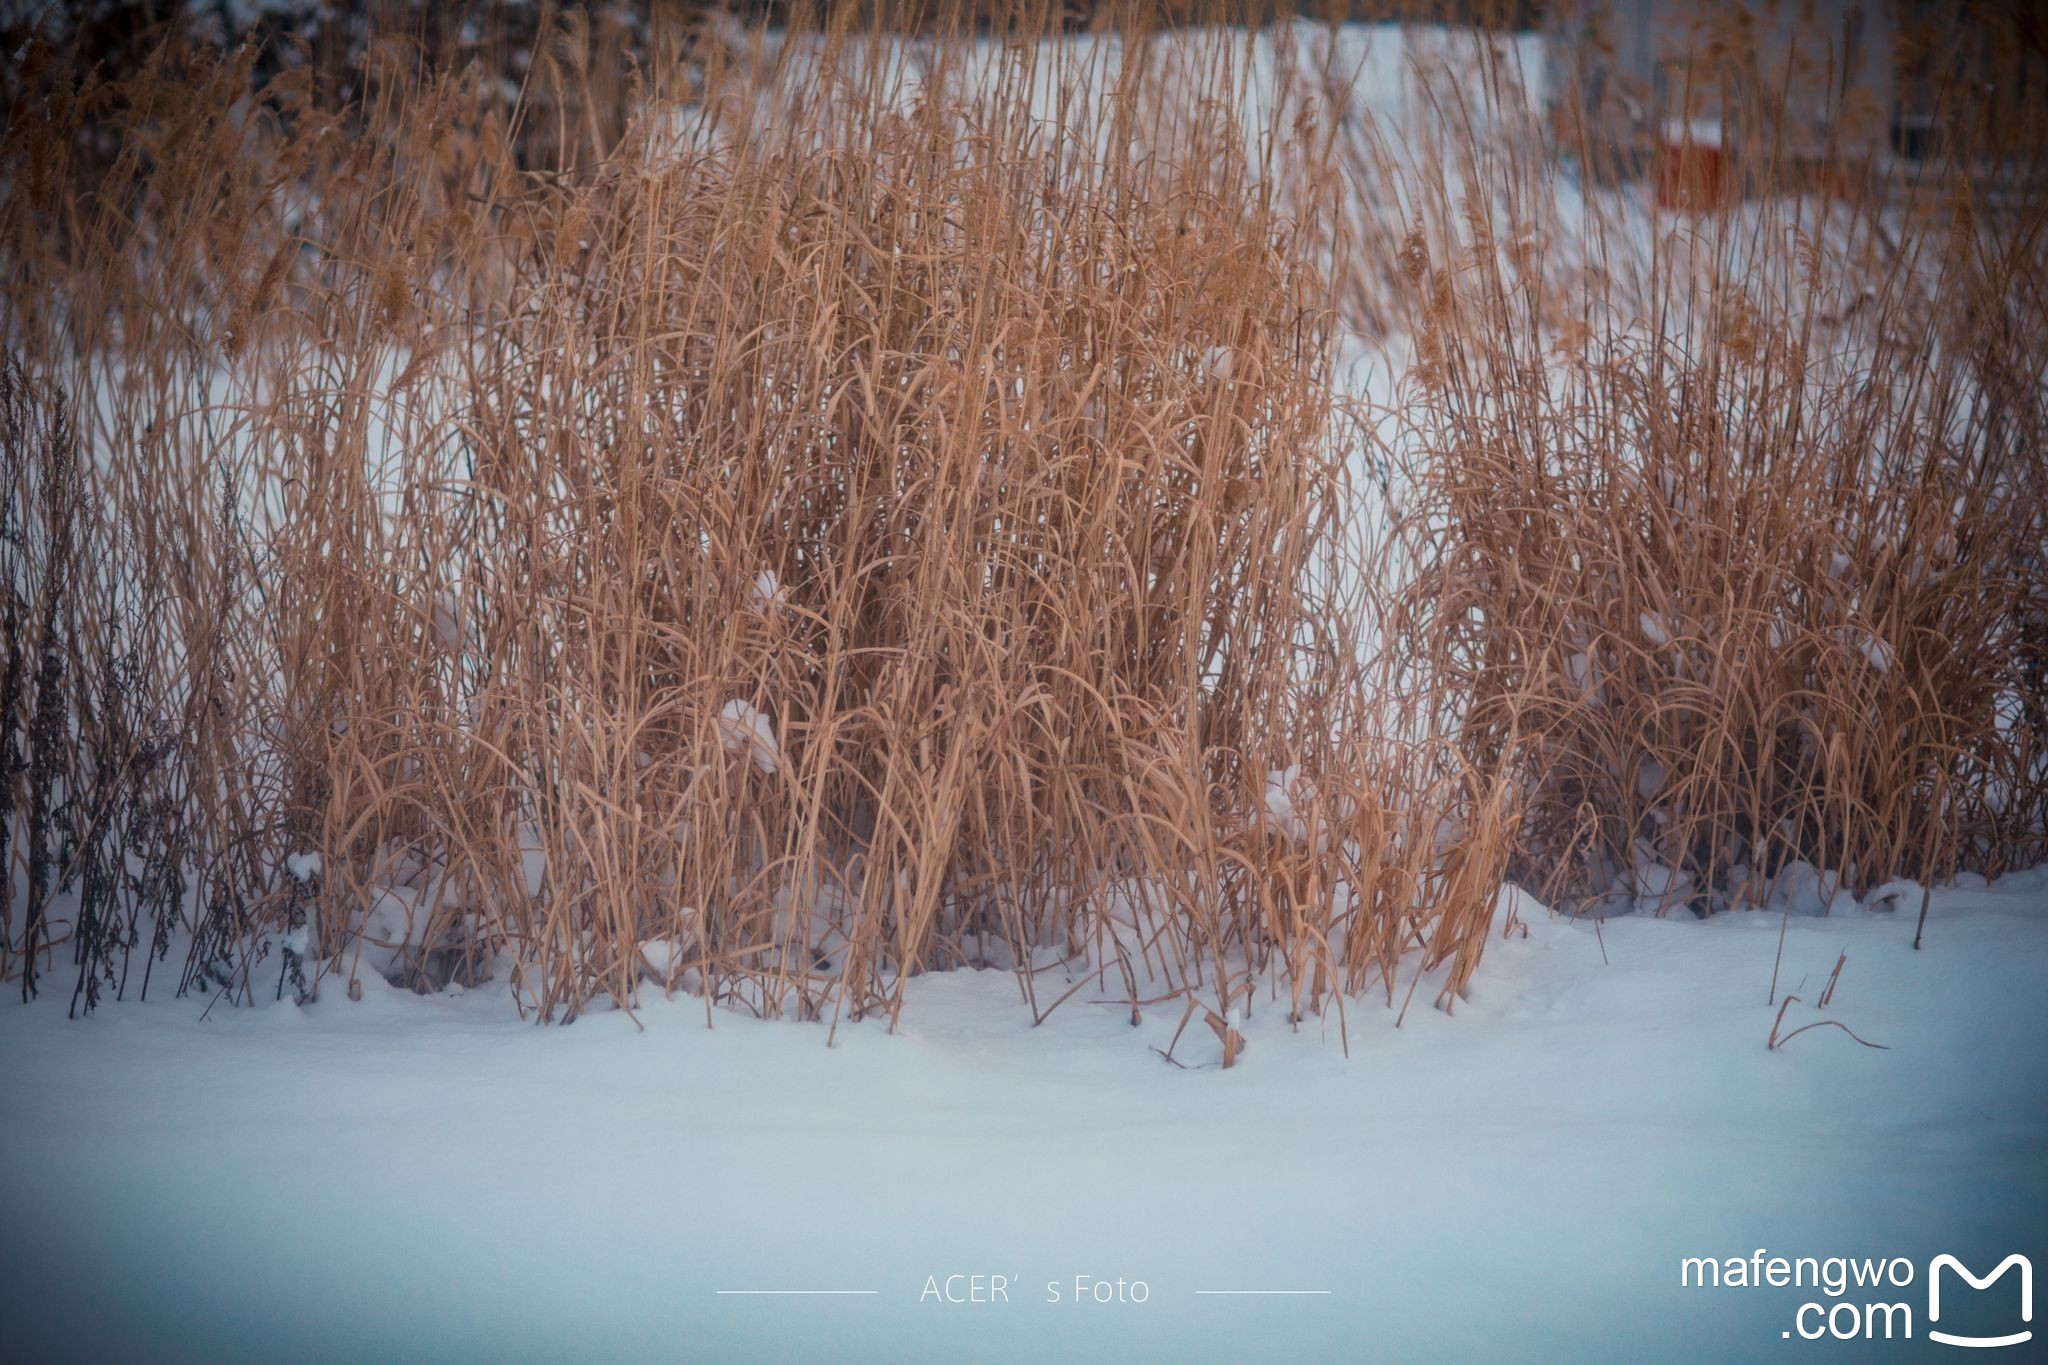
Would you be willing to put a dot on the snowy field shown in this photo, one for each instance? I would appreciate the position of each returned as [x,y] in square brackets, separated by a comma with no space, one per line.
[430,1178]
[433,1178]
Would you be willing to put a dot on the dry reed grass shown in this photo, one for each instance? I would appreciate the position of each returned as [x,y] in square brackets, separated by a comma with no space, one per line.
[824,533]
[800,510]
[1724,529]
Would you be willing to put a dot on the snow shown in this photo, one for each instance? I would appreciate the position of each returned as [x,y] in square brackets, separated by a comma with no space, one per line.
[533,860]
[430,1176]
[1869,644]
[395,919]
[427,1176]
[1694,132]
[1653,885]
[664,957]
[742,729]
[1283,790]
[448,621]
[1899,891]
[1650,777]
[1800,888]
[299,941]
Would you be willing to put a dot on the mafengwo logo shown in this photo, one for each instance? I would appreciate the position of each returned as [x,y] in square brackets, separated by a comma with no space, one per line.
[1947,1262]
[1848,1316]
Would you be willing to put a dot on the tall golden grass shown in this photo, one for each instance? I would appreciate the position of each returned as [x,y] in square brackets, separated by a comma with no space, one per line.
[1726,526]
[769,513]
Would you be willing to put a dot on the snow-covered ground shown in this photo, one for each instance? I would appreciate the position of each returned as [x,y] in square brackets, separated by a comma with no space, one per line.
[419,1178]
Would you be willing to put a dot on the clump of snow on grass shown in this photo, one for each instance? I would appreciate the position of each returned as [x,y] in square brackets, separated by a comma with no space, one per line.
[303,866]
[766,592]
[1899,891]
[394,921]
[743,729]
[664,957]
[299,941]
[1283,790]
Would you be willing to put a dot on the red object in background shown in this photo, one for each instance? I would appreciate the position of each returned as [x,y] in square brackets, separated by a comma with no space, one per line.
[1689,167]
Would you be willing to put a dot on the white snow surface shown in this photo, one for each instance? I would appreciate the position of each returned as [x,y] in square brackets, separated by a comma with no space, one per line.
[429,1178]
